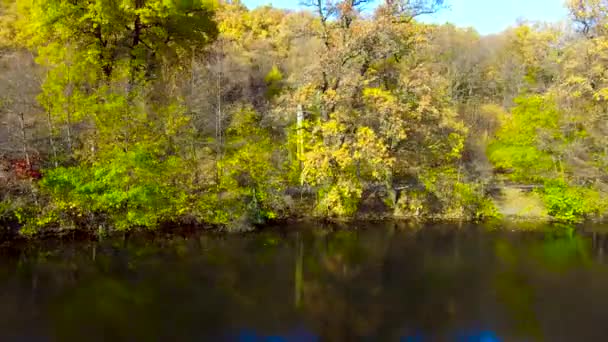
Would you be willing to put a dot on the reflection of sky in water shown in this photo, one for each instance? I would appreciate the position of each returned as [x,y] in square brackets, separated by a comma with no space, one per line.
[469,336]
[303,335]
[477,336]
[296,335]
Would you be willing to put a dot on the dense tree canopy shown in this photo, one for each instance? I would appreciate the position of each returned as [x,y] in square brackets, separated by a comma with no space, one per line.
[133,113]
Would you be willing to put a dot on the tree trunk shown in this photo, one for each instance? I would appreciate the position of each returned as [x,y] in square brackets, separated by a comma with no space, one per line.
[219,118]
[300,148]
[24,146]
[69,113]
[299,267]
[51,140]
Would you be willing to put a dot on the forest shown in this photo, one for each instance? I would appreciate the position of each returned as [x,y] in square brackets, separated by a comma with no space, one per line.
[135,114]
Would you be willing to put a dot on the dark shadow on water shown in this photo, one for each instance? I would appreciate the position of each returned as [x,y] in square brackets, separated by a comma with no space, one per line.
[371,282]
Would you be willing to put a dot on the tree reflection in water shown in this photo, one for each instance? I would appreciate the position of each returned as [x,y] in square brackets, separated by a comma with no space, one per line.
[385,281]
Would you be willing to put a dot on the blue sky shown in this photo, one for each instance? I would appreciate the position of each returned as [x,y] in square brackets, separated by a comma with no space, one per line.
[487,16]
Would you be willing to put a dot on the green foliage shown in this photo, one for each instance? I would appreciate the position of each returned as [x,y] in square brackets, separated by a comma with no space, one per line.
[125,161]
[571,204]
[273,81]
[338,163]
[411,204]
[161,24]
[457,198]
[140,120]
[247,169]
[19,208]
[138,188]
[6,211]
[531,145]
[527,143]
[339,200]
[474,202]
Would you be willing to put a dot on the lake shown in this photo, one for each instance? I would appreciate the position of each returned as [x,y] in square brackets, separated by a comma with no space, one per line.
[311,282]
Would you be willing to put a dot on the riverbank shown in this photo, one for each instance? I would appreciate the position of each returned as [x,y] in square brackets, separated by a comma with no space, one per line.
[34,215]
[10,232]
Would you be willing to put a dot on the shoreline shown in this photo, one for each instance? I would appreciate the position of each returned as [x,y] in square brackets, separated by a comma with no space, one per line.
[11,234]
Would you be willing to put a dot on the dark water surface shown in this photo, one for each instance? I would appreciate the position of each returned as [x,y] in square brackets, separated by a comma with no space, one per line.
[370,282]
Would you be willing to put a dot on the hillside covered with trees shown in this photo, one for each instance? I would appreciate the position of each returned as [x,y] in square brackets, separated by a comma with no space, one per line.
[116,115]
